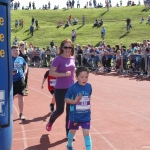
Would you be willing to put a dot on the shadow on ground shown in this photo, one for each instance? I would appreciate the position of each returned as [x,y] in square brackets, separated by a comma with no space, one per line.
[45,143]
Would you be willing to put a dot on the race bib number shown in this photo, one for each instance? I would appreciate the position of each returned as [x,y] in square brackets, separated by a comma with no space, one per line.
[84,104]
[52,82]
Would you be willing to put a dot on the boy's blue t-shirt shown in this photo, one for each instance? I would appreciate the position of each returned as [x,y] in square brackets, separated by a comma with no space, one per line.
[80,112]
[18,64]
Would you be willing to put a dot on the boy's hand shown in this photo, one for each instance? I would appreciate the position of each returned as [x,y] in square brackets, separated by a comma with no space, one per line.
[42,86]
[78,98]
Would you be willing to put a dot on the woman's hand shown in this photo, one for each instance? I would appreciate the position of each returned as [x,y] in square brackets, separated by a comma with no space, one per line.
[68,73]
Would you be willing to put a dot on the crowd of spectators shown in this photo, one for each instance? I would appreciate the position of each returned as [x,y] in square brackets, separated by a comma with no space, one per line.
[75,4]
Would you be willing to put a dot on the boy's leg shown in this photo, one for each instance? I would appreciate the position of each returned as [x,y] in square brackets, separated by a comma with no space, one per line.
[71,134]
[87,139]
[20,105]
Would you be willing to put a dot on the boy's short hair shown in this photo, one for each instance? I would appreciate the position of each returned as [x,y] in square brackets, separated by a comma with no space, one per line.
[14,46]
[81,69]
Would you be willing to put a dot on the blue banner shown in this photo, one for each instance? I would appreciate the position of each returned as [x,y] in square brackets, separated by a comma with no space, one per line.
[6,99]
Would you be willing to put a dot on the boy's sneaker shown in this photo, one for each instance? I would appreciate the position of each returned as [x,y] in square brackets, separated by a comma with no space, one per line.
[22,117]
[69,148]
[49,126]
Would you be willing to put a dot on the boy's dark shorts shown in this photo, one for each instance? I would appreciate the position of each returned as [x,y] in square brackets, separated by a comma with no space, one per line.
[18,87]
[75,125]
[52,92]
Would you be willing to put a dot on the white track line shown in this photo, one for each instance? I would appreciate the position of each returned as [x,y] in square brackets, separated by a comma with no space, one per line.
[130,112]
[104,138]
[23,132]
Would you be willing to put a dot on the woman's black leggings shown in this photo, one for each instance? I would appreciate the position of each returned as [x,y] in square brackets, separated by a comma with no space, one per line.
[26,78]
[60,103]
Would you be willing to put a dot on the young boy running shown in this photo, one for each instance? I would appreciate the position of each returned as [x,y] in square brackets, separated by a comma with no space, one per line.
[78,96]
[51,83]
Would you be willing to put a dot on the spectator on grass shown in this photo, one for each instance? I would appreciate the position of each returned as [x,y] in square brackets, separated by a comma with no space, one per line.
[56,7]
[31,30]
[49,5]
[70,4]
[83,20]
[33,5]
[73,2]
[103,32]
[142,19]
[70,19]
[16,23]
[148,20]
[73,34]
[15,40]
[67,3]
[29,5]
[67,24]
[75,21]
[59,24]
[95,24]
[32,20]
[133,4]
[52,44]
[101,22]
[128,26]
[78,4]
[90,3]
[37,24]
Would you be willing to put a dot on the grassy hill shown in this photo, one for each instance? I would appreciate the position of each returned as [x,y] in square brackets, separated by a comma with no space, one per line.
[114,22]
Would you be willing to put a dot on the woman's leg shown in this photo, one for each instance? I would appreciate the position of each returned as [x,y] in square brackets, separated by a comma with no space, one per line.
[59,97]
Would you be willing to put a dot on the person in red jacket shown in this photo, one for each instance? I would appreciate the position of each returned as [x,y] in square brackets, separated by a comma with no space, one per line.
[51,84]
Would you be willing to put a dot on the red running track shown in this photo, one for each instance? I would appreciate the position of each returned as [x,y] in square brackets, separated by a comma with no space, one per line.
[120,116]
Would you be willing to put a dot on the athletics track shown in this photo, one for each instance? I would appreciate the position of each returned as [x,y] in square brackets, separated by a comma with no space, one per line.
[120,115]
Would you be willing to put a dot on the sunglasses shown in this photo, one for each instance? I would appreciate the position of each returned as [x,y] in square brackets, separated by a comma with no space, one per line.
[21,44]
[65,47]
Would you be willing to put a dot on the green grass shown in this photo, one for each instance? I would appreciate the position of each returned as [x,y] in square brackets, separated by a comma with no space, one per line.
[114,22]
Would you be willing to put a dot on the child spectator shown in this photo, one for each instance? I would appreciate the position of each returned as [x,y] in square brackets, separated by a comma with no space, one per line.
[51,83]
[78,96]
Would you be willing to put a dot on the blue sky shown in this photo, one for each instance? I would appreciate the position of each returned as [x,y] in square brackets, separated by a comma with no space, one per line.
[62,3]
